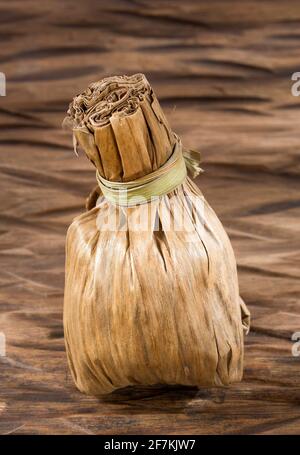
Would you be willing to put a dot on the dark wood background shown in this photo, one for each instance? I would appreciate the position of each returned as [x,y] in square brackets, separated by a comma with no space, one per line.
[222,71]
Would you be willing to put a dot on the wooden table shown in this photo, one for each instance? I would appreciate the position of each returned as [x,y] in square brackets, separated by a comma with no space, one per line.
[222,71]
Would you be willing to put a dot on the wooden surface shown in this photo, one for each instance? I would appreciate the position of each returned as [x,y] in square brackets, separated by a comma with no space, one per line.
[222,71]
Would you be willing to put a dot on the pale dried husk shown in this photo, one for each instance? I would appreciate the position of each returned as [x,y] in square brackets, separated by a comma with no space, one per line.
[152,305]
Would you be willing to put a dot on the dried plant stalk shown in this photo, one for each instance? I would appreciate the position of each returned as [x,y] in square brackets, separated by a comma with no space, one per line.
[152,305]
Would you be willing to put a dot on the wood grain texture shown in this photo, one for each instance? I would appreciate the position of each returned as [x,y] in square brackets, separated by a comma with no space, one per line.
[222,71]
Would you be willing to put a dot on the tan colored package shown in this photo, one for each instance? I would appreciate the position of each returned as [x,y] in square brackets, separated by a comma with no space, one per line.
[151,292]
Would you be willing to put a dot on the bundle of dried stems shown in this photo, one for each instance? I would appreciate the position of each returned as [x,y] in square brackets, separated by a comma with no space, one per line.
[151,292]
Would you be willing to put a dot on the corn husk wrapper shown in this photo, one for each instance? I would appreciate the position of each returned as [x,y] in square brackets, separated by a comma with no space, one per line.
[151,292]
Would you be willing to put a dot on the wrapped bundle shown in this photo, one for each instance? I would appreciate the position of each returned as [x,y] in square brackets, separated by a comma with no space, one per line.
[151,291]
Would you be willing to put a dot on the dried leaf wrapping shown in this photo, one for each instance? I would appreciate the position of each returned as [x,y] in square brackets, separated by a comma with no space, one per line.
[151,292]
